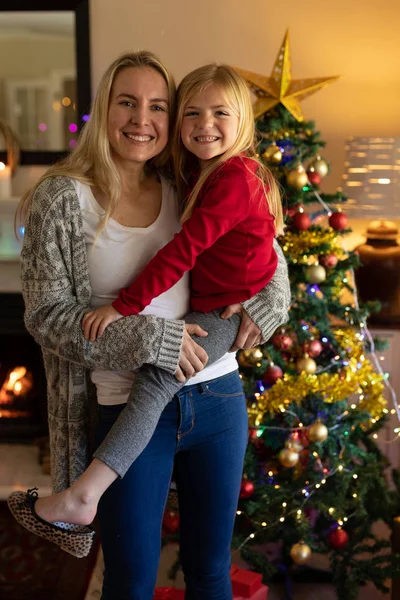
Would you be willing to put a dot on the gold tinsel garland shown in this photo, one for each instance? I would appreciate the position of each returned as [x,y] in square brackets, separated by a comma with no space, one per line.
[299,245]
[358,376]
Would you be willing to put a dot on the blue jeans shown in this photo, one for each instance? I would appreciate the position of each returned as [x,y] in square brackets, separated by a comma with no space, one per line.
[202,434]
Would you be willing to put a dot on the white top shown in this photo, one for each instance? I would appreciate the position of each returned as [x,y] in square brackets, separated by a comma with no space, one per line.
[119,255]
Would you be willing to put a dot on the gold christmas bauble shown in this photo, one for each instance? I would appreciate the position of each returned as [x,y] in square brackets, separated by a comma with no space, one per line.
[300,553]
[320,166]
[255,354]
[296,444]
[273,154]
[315,274]
[297,179]
[317,432]
[243,360]
[288,457]
[306,364]
[248,358]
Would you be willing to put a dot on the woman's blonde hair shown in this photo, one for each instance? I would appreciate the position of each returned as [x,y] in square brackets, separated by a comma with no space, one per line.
[91,160]
[237,95]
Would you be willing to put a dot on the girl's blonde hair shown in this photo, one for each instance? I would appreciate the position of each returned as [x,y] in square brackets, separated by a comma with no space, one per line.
[91,161]
[237,95]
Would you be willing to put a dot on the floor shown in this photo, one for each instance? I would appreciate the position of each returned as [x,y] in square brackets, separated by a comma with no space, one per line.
[20,469]
[276,592]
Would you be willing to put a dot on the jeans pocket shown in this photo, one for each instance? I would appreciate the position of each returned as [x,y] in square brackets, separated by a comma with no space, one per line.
[225,387]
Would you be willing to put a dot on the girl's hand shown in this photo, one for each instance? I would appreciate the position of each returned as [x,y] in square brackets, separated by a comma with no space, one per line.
[95,322]
[249,334]
[193,358]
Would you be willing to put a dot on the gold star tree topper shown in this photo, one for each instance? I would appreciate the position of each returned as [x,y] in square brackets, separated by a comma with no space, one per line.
[280,88]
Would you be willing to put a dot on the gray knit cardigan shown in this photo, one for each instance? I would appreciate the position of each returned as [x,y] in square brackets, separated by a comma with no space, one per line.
[57,293]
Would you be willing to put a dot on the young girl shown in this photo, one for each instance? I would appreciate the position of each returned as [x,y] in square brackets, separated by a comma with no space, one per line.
[231,213]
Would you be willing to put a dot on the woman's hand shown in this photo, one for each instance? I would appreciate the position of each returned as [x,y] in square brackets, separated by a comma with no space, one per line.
[193,358]
[249,334]
[95,322]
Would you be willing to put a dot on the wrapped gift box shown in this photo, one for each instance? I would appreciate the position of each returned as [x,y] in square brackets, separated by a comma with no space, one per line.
[247,585]
[168,593]
[260,594]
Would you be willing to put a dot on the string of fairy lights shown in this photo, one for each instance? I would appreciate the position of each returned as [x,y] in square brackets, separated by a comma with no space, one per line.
[310,489]
[366,331]
[307,492]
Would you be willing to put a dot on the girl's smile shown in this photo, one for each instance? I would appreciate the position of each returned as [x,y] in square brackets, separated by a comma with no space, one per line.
[210,125]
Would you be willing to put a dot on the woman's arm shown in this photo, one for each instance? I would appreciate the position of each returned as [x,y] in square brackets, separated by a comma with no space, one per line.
[268,309]
[54,273]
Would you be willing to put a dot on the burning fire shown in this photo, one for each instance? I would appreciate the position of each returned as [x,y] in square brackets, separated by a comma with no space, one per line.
[17,383]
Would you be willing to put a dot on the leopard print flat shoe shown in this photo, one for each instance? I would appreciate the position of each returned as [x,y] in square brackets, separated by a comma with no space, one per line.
[75,539]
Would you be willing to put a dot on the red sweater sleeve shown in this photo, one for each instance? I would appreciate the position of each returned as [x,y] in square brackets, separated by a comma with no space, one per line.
[225,203]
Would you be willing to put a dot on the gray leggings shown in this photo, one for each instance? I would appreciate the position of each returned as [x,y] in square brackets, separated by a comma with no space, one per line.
[153,388]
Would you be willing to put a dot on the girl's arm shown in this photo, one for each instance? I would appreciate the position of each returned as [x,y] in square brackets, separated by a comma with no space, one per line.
[54,272]
[225,204]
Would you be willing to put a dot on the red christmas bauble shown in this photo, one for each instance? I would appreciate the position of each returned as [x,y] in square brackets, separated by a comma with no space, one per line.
[246,489]
[253,435]
[272,374]
[313,348]
[314,178]
[282,341]
[171,521]
[338,221]
[304,437]
[338,539]
[329,261]
[290,211]
[304,458]
[301,221]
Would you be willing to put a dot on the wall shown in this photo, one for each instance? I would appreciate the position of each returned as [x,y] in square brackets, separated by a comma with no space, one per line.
[356,40]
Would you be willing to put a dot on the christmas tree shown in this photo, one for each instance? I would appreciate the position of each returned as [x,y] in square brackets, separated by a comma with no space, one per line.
[314,478]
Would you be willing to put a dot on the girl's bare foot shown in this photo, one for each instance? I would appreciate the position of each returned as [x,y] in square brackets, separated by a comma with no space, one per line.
[66,507]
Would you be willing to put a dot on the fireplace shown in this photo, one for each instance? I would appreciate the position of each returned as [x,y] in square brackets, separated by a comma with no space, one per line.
[22,378]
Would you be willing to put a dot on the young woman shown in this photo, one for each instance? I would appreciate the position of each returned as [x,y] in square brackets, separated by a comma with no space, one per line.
[115,173]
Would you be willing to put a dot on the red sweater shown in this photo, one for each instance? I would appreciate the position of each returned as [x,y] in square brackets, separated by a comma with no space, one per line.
[226,243]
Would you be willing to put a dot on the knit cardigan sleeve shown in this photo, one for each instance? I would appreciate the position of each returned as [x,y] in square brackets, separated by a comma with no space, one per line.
[56,291]
[269,308]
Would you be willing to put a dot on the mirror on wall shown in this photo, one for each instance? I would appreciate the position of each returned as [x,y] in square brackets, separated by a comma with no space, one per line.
[38,78]
[44,77]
